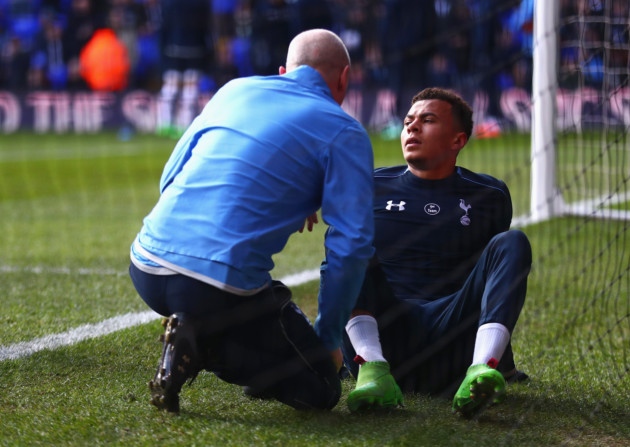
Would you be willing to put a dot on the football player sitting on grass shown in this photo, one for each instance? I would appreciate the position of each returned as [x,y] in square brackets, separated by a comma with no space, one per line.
[445,288]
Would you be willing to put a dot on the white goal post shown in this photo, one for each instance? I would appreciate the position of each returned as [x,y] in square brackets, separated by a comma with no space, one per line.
[546,199]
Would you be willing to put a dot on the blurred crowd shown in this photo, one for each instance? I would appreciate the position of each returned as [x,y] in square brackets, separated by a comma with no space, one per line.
[60,44]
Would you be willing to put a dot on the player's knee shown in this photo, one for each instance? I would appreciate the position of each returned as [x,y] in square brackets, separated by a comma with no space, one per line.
[516,243]
[520,243]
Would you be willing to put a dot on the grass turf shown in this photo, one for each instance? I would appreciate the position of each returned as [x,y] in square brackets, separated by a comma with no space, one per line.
[69,208]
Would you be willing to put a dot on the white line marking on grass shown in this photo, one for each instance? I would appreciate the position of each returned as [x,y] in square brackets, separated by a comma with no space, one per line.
[84,332]
[60,270]
[70,154]
[300,278]
[88,331]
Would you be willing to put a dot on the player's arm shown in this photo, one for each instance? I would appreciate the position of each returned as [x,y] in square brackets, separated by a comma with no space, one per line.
[347,209]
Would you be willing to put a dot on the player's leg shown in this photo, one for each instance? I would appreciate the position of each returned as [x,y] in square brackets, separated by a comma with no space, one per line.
[190,94]
[279,355]
[375,385]
[315,383]
[180,361]
[362,348]
[506,263]
[167,101]
[500,279]
[181,358]
[264,341]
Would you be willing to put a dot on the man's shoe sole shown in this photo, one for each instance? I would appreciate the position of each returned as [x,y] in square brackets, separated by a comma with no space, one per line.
[370,402]
[166,385]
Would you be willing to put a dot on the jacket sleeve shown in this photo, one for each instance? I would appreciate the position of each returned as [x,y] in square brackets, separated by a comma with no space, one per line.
[347,209]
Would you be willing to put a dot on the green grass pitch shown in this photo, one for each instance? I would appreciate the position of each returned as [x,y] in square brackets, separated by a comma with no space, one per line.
[70,205]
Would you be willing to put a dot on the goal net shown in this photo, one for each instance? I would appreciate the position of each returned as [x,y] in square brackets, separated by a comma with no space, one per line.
[580,179]
[553,76]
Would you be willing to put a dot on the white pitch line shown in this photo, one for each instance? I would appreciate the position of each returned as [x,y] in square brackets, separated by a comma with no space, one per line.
[120,322]
[60,271]
[84,332]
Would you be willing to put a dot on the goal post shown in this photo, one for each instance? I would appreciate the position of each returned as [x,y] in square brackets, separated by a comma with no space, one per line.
[601,88]
[545,200]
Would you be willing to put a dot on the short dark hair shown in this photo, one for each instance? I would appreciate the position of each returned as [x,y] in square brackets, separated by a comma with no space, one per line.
[462,112]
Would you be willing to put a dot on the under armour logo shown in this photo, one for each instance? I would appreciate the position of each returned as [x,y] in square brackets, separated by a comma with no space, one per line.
[390,204]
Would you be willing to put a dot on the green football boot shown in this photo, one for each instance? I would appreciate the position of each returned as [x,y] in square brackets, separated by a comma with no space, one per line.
[481,387]
[376,388]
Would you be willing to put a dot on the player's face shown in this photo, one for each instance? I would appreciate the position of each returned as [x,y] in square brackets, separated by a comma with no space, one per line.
[429,139]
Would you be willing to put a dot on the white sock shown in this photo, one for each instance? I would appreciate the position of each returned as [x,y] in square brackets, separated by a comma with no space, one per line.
[491,341]
[363,333]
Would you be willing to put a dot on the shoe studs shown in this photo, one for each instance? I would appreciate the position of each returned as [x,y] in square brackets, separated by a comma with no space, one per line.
[175,367]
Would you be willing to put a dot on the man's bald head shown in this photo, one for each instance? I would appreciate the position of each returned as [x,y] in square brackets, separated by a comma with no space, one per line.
[324,51]
[317,48]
